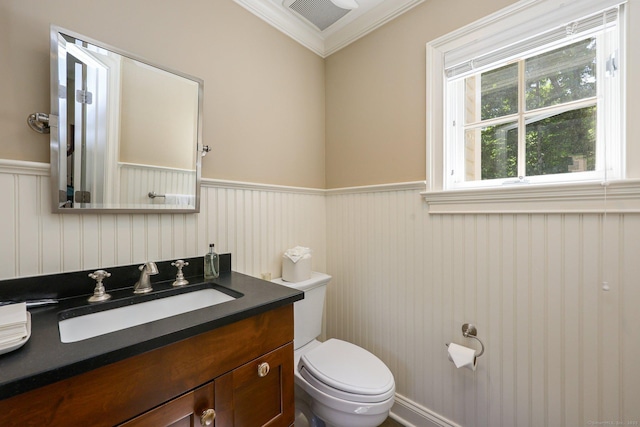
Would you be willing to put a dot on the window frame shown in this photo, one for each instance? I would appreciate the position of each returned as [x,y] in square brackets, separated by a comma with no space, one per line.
[455,135]
[559,196]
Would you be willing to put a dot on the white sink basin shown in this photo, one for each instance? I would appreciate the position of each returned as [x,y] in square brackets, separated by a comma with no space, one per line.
[92,325]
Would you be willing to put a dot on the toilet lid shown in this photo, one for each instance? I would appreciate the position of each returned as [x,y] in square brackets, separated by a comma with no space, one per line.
[351,371]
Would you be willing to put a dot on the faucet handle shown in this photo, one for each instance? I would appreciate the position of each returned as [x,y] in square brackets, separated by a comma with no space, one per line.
[180,263]
[99,293]
[180,280]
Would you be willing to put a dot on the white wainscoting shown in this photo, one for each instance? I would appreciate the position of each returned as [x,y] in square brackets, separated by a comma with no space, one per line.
[560,351]
[256,223]
[136,181]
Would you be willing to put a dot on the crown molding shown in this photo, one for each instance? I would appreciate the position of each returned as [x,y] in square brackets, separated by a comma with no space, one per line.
[278,17]
[334,38]
[366,23]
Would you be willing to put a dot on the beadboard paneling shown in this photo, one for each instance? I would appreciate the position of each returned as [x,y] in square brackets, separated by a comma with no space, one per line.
[256,223]
[136,181]
[560,351]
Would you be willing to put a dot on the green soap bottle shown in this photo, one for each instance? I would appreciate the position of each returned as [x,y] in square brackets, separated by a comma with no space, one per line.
[211,264]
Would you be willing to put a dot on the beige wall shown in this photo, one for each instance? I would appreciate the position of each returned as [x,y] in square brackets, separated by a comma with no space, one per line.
[376,95]
[157,127]
[264,93]
[264,111]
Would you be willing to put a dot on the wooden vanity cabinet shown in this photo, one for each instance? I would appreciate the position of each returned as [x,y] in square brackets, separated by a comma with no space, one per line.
[253,394]
[243,371]
[184,411]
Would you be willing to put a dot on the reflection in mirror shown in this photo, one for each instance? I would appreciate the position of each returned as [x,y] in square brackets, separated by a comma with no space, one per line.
[128,134]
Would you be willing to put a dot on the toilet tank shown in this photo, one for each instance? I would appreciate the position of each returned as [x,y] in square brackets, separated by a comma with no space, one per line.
[307,313]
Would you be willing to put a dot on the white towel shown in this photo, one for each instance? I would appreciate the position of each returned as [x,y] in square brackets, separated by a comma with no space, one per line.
[13,322]
[297,253]
[179,199]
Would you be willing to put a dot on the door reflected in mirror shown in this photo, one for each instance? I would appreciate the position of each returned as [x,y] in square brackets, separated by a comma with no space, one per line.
[128,134]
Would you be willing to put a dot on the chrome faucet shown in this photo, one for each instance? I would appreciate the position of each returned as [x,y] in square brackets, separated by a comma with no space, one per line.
[143,285]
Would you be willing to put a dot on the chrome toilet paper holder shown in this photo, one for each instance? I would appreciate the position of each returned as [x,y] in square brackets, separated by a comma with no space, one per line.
[469,331]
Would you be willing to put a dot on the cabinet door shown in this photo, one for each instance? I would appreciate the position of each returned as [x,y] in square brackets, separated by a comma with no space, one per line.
[183,411]
[258,393]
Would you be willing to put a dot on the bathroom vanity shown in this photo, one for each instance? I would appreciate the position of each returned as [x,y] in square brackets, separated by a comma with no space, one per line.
[226,365]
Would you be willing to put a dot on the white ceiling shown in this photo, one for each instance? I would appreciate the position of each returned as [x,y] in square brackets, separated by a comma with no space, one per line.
[370,15]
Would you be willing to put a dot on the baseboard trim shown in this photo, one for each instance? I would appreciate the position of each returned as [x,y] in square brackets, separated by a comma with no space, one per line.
[410,414]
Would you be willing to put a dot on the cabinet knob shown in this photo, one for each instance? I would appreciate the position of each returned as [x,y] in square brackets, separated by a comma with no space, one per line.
[207,417]
[263,369]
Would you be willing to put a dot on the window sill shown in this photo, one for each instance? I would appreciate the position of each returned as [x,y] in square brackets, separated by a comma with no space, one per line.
[622,196]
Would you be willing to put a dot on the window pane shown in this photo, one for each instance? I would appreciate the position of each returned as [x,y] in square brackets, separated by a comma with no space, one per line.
[499,92]
[562,143]
[491,152]
[562,75]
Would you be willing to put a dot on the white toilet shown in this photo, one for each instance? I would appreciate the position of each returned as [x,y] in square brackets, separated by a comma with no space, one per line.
[338,384]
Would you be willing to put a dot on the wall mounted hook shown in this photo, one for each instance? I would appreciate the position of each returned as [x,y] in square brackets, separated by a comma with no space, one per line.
[39,122]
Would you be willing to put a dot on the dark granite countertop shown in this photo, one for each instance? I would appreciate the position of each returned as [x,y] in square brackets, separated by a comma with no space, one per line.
[44,359]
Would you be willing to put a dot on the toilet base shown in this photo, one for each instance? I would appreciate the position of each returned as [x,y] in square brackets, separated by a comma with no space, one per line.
[304,416]
[347,420]
[309,413]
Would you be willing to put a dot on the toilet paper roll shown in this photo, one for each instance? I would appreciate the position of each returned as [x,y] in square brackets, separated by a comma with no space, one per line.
[462,357]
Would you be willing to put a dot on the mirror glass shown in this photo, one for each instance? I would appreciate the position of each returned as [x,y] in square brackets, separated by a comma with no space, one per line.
[128,132]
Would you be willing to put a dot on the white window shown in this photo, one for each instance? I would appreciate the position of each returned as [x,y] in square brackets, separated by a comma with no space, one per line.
[531,95]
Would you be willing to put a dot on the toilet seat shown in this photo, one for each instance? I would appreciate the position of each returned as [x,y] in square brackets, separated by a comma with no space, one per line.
[346,371]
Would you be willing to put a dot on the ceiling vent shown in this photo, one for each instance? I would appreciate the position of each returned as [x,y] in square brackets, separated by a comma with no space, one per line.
[320,13]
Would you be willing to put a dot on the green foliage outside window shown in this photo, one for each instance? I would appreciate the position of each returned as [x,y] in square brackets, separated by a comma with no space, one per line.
[555,142]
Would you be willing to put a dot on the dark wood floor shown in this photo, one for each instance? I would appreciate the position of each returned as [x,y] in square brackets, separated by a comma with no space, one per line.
[390,423]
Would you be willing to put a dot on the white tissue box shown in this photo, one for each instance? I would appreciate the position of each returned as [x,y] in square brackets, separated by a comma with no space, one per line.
[296,271]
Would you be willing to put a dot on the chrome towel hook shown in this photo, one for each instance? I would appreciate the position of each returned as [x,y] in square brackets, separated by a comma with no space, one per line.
[470,331]
[39,122]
